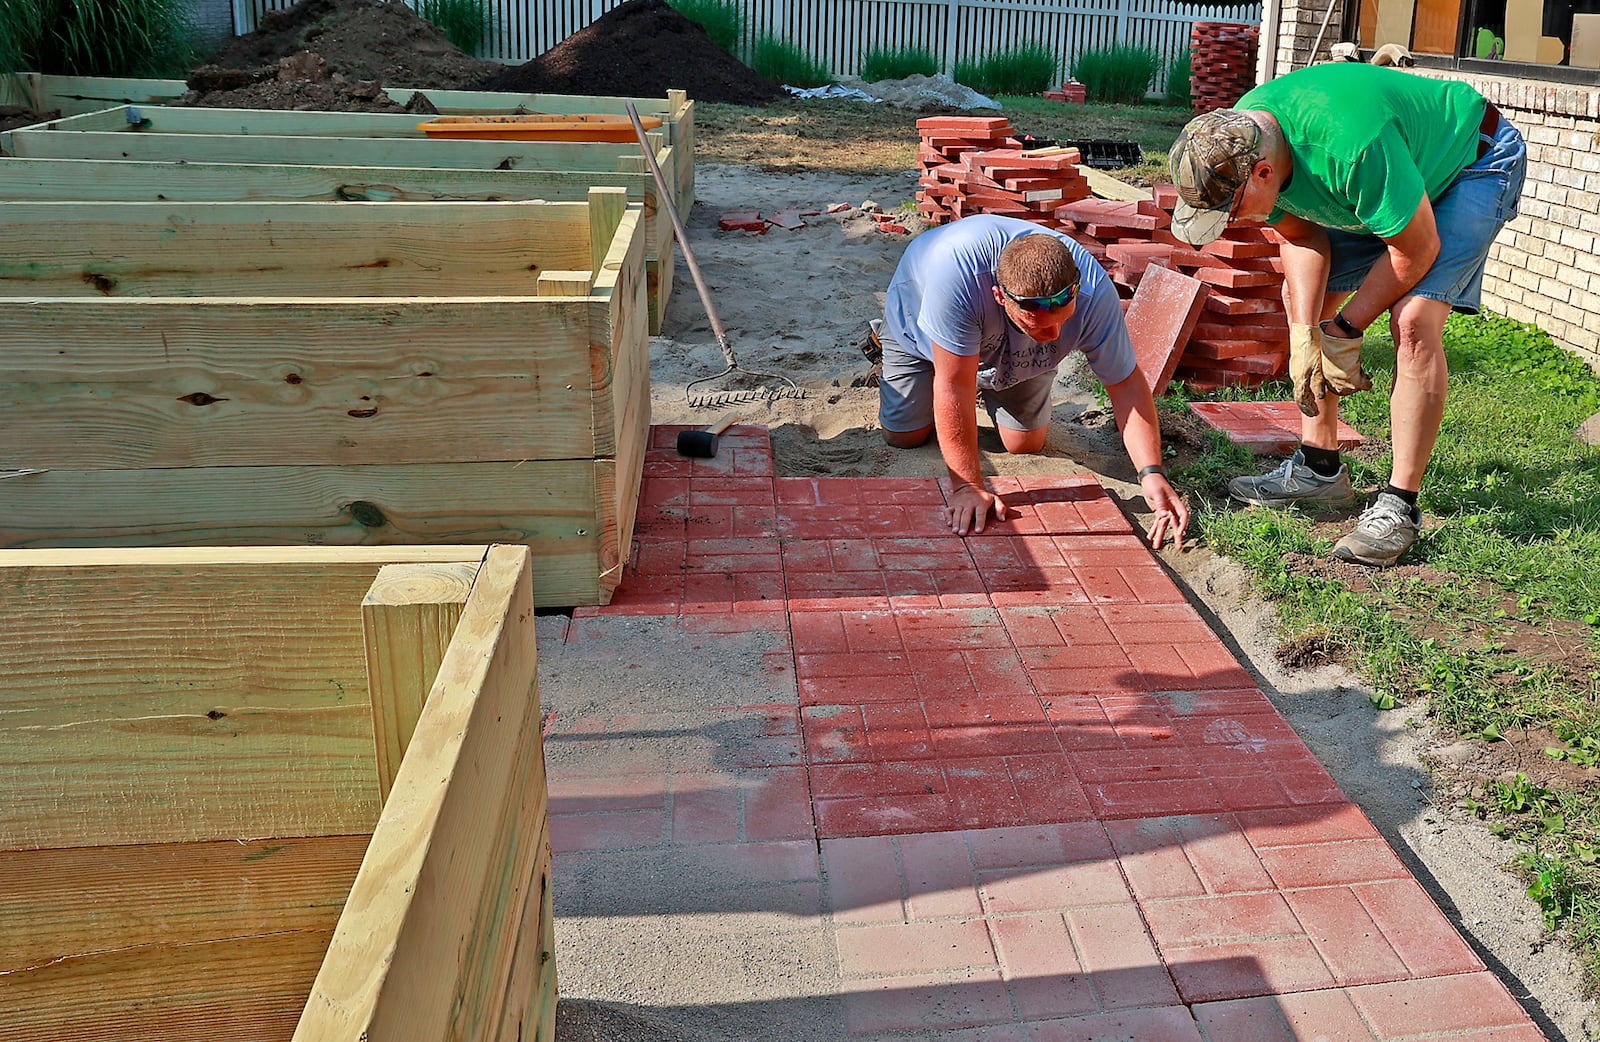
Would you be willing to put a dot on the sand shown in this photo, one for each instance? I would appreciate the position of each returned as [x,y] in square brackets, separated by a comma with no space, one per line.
[796,302]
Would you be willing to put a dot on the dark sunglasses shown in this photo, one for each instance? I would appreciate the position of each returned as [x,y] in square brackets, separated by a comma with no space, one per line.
[1050,303]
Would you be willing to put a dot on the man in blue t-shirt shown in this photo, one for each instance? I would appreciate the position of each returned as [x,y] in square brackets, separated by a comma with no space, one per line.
[986,308]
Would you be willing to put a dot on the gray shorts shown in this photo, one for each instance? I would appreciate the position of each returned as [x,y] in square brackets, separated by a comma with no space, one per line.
[905,394]
[1469,214]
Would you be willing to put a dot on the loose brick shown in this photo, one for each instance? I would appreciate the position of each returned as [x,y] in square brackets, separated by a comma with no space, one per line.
[1165,308]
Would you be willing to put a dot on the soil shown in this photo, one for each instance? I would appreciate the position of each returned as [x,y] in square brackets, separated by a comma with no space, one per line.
[642,48]
[360,40]
[14,116]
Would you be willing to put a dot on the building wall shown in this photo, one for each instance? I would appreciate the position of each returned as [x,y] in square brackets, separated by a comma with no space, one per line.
[1545,266]
[215,21]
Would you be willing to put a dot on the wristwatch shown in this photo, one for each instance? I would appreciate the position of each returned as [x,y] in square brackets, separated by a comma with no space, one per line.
[1349,331]
[1154,468]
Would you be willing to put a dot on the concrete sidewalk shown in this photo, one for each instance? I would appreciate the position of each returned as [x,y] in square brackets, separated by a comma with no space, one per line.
[823,770]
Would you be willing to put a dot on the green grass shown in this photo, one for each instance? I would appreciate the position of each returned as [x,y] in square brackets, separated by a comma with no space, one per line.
[1029,69]
[785,63]
[1515,503]
[1179,89]
[466,23]
[723,20]
[897,63]
[1120,74]
[140,38]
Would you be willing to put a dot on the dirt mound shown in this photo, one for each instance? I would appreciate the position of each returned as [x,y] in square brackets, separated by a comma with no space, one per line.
[301,82]
[640,49]
[360,40]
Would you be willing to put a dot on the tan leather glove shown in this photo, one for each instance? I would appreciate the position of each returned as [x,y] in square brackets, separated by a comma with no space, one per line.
[1341,362]
[1305,368]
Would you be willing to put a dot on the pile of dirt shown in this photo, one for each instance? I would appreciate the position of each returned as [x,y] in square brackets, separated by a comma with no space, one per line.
[642,48]
[360,40]
[14,116]
[301,82]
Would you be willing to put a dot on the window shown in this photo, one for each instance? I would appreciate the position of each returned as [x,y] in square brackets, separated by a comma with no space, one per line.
[1541,39]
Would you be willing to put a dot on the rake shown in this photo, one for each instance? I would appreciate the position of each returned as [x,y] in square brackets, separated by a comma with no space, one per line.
[735,385]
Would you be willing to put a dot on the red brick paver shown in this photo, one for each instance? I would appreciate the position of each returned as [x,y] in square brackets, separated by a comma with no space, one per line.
[1027,790]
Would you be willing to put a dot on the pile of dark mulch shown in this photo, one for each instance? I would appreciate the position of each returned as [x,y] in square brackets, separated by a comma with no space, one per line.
[360,40]
[14,116]
[640,49]
[300,82]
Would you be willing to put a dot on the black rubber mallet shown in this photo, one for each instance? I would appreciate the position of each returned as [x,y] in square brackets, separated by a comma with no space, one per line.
[702,444]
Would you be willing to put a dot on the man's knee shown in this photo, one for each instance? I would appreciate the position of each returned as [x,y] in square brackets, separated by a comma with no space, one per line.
[908,439]
[1024,443]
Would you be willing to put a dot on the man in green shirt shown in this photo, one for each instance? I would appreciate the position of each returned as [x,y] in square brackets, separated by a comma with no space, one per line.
[1389,188]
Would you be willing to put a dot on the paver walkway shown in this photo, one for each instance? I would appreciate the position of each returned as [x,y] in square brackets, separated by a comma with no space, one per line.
[1015,779]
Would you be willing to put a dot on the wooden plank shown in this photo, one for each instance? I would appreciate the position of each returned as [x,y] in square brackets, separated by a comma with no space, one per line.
[286,249]
[1105,186]
[565,283]
[113,384]
[407,618]
[529,1007]
[550,504]
[606,207]
[629,366]
[244,989]
[68,904]
[318,151]
[426,943]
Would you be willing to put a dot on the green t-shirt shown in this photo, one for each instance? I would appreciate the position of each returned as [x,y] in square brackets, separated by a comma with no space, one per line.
[1368,141]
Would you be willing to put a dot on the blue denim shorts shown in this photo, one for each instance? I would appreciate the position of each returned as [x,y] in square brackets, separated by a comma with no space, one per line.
[905,394]
[1469,214]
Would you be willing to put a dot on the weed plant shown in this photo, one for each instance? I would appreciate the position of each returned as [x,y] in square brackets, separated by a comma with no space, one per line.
[141,38]
[723,20]
[1179,87]
[897,64]
[1120,74]
[785,63]
[466,23]
[1515,503]
[1025,70]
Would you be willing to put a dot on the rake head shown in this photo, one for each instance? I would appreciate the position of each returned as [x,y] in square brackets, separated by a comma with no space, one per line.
[738,386]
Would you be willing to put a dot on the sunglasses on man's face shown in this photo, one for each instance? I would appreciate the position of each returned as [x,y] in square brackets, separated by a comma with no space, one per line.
[1050,303]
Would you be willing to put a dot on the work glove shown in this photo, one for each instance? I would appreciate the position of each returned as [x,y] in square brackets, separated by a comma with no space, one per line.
[1341,362]
[1305,368]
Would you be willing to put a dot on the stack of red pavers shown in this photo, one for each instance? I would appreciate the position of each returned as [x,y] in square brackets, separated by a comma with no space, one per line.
[1242,337]
[1071,91]
[1222,63]
[973,164]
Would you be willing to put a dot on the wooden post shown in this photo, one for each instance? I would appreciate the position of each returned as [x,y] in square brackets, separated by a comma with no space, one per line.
[407,619]
[564,283]
[606,207]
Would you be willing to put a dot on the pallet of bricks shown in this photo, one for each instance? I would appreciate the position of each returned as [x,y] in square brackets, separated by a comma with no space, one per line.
[975,164]
[347,156]
[225,339]
[1240,335]
[273,794]
[1222,63]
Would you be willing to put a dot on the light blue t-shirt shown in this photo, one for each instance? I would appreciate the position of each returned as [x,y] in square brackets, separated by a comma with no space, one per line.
[943,293]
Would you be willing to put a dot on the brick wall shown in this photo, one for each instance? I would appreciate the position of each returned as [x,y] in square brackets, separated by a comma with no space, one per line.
[1544,268]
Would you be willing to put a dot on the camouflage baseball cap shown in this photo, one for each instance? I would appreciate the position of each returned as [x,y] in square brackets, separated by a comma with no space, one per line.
[1211,161]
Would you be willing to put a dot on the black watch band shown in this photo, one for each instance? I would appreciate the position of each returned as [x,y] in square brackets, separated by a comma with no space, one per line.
[1154,468]
[1345,327]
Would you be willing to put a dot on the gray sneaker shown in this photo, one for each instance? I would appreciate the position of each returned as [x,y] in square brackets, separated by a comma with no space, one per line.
[1293,483]
[1386,530]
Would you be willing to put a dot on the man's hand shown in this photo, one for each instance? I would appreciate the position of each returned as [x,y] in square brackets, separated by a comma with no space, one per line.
[1305,368]
[1341,361]
[969,509]
[1172,513]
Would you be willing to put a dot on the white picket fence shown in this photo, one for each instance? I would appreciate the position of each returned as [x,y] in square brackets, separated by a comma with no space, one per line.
[839,32]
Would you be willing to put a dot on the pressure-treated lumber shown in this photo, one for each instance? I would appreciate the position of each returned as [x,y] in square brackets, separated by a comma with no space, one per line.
[73,95]
[447,918]
[424,948]
[397,418]
[408,617]
[287,249]
[111,942]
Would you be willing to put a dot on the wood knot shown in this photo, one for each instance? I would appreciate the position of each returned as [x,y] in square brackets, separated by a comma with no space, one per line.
[200,398]
[368,515]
